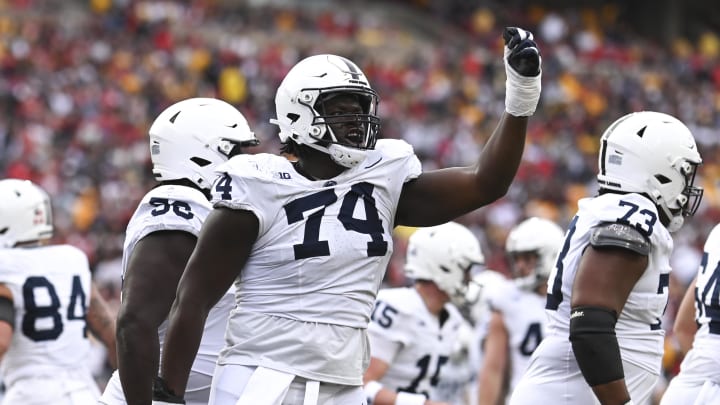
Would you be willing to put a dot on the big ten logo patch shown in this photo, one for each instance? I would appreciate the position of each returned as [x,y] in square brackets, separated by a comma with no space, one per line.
[282,175]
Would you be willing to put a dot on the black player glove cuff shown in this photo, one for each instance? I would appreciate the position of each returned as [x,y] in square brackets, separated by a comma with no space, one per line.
[161,393]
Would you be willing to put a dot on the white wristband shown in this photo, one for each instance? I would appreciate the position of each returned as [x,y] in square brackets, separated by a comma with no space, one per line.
[406,398]
[522,93]
[371,389]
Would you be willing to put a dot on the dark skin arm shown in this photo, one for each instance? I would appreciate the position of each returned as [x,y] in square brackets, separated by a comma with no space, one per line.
[604,279]
[224,245]
[685,325]
[101,323]
[438,196]
[148,292]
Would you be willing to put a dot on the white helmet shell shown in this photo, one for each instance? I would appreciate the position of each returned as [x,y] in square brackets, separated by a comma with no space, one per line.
[444,254]
[25,213]
[191,137]
[300,115]
[540,236]
[654,154]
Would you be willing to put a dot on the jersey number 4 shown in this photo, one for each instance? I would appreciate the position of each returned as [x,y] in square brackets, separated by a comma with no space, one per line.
[49,314]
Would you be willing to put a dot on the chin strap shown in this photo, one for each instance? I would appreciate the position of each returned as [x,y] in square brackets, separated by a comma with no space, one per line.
[346,156]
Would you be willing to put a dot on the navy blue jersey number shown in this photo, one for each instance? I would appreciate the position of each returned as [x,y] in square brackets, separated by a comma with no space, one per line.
[223,186]
[383,314]
[707,295]
[51,311]
[532,339]
[644,224]
[554,297]
[311,245]
[663,286]
[163,206]
[423,364]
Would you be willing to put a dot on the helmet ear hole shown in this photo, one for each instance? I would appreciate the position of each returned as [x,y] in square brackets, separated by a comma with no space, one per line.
[200,161]
[662,179]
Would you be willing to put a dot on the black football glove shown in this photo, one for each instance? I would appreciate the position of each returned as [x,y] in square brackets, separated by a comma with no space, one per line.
[162,394]
[523,70]
[521,51]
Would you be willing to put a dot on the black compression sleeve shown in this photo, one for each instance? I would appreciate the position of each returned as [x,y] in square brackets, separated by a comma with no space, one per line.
[7,311]
[592,334]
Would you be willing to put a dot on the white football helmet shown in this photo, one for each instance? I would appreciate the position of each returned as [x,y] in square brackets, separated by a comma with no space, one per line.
[25,213]
[300,113]
[541,237]
[191,137]
[653,154]
[445,255]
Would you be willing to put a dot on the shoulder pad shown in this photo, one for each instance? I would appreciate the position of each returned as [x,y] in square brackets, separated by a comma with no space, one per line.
[622,236]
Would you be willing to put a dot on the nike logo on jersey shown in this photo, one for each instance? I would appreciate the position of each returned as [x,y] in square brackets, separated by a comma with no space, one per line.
[372,165]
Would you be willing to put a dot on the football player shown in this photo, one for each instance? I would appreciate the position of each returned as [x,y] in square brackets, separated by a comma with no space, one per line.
[186,141]
[47,306]
[307,241]
[609,288]
[414,330]
[699,369]
[517,321]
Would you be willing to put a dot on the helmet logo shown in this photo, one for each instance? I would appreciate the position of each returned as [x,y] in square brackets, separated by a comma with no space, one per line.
[615,160]
[293,117]
[39,218]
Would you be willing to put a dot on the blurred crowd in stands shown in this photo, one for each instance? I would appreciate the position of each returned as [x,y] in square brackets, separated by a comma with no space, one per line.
[80,82]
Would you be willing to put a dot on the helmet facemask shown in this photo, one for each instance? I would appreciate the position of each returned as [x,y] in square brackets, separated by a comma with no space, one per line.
[686,203]
[345,122]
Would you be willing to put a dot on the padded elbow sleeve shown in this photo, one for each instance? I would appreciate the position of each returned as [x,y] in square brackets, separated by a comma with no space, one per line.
[592,334]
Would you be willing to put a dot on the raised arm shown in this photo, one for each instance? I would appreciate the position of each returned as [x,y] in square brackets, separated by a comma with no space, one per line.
[223,247]
[101,323]
[438,196]
[149,285]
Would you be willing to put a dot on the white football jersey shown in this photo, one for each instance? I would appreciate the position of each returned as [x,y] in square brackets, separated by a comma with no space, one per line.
[51,294]
[177,208]
[525,321]
[638,328]
[701,362]
[405,335]
[707,291]
[307,290]
[457,382]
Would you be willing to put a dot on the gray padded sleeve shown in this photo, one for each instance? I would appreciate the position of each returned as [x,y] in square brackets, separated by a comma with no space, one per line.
[622,236]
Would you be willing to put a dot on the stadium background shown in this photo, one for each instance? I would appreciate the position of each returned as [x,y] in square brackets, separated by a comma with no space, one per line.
[81,80]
